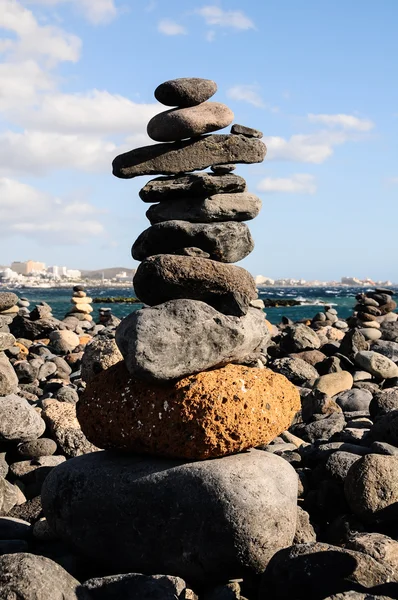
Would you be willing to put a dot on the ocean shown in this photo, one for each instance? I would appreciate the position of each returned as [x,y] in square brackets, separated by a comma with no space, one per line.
[312,300]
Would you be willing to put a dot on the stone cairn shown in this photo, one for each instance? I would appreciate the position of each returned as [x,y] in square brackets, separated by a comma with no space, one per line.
[81,305]
[372,309]
[184,391]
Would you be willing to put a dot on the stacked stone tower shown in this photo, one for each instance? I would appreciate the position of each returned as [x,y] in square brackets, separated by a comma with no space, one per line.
[179,397]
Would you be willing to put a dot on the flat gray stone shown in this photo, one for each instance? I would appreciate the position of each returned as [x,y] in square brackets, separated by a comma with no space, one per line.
[194,185]
[248,131]
[204,521]
[190,155]
[227,242]
[181,337]
[220,207]
[185,91]
[229,289]
[181,123]
[378,365]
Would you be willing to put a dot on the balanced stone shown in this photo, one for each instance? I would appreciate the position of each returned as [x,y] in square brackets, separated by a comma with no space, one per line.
[208,415]
[227,242]
[185,91]
[194,185]
[164,277]
[182,123]
[7,300]
[220,207]
[181,337]
[190,155]
[204,521]
[248,131]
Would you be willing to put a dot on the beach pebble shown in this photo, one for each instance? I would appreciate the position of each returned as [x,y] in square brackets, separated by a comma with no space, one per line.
[64,341]
[339,463]
[247,131]
[99,355]
[37,448]
[8,377]
[299,337]
[334,383]
[370,333]
[376,364]
[383,402]
[296,370]
[353,400]
[6,341]
[185,91]
[19,422]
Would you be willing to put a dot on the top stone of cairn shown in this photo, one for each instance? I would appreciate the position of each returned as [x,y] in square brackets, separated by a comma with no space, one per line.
[185,92]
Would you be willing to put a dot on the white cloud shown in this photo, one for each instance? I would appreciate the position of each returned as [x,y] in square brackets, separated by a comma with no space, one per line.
[95,11]
[29,212]
[20,84]
[33,39]
[301,183]
[233,19]
[392,180]
[343,121]
[309,148]
[169,27]
[246,93]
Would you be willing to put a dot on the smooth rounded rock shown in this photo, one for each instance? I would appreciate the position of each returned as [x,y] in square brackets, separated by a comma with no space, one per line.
[229,289]
[8,377]
[378,365]
[220,207]
[334,383]
[64,341]
[19,422]
[295,369]
[299,337]
[181,337]
[185,91]
[208,415]
[226,242]
[6,341]
[7,300]
[181,123]
[202,521]
[371,487]
[99,355]
[354,399]
[37,448]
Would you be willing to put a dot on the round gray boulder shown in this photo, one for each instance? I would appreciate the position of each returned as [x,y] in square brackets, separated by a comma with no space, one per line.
[202,521]
[19,422]
[378,365]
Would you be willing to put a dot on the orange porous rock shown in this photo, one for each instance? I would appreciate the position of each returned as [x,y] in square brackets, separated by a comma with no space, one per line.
[206,415]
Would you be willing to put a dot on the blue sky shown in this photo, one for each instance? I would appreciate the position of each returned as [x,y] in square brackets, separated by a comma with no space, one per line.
[317,77]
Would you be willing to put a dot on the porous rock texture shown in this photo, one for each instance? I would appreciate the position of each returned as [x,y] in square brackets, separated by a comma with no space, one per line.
[164,277]
[191,186]
[205,521]
[190,155]
[227,242]
[208,415]
[182,123]
[181,337]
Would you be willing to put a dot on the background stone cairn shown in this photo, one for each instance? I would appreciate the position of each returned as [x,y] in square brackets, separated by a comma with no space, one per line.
[372,309]
[81,305]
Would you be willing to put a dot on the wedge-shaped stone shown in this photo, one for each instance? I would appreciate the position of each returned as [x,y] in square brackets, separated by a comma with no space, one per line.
[226,242]
[220,207]
[191,155]
[164,277]
[181,337]
[182,123]
[195,185]
[207,521]
[216,413]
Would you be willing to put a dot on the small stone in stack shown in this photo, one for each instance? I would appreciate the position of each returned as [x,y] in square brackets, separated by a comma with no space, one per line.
[81,308]
[23,304]
[8,310]
[372,309]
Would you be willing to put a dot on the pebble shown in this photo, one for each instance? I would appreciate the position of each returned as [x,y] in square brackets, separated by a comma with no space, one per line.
[185,91]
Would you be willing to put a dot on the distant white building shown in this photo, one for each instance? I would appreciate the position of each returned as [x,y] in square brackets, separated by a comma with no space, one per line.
[60,272]
[261,280]
[28,267]
[73,273]
[10,275]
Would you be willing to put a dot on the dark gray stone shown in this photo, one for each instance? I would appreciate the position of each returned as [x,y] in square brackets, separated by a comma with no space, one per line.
[37,448]
[194,185]
[322,429]
[383,402]
[32,330]
[14,529]
[385,429]
[181,337]
[134,586]
[25,371]
[226,242]
[352,343]
[305,533]
[67,394]
[353,400]
[203,520]
[315,571]
[339,463]
[25,576]
[389,329]
[217,208]
[227,288]
[190,155]
[378,365]
[299,337]
[247,131]
[19,422]
[389,349]
[295,369]
[185,91]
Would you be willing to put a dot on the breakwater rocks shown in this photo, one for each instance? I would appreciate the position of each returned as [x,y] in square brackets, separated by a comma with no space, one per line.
[195,451]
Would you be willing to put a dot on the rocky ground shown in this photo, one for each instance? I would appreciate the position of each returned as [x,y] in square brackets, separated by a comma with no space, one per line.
[338,542]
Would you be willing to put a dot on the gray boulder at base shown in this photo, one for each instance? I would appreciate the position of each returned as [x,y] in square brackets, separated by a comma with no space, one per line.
[19,422]
[193,186]
[226,242]
[8,377]
[181,337]
[26,576]
[185,91]
[181,123]
[316,571]
[190,155]
[134,586]
[203,521]
[378,365]
[164,277]
[217,208]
